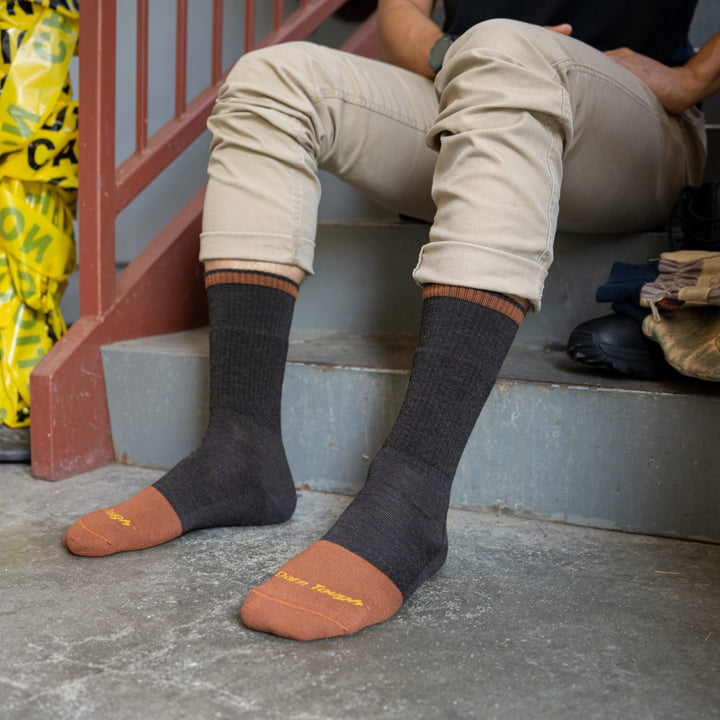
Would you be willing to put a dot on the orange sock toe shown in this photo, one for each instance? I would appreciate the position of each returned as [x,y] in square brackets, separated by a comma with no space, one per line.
[323,592]
[145,520]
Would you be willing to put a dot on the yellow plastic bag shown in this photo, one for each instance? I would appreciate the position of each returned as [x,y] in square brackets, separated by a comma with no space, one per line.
[38,188]
[25,337]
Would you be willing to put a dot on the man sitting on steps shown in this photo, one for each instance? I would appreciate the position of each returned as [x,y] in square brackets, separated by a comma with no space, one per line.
[519,119]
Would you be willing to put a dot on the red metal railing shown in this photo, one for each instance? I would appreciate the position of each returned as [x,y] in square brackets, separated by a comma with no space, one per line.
[161,290]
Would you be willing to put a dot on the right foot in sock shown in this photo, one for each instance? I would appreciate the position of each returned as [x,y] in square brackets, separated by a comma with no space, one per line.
[386,544]
[238,476]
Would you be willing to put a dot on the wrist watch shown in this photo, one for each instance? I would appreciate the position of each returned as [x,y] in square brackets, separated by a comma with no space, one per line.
[437,54]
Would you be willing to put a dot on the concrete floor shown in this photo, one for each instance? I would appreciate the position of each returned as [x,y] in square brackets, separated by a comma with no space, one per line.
[526,620]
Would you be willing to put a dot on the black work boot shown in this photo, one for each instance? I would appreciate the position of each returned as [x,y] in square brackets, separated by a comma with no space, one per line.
[616,342]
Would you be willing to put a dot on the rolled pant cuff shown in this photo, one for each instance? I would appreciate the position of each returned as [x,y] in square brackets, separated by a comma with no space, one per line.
[481,268]
[258,247]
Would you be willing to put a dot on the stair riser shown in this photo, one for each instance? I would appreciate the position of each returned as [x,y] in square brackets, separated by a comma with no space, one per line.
[553,453]
[363,281]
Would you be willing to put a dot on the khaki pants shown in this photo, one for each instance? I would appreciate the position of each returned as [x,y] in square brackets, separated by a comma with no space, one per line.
[524,132]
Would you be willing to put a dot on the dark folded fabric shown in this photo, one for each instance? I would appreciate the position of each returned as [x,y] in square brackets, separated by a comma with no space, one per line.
[625,282]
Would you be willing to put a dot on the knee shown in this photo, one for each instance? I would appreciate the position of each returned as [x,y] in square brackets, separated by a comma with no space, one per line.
[273,87]
[270,59]
[514,41]
[263,72]
[285,75]
[269,91]
[502,35]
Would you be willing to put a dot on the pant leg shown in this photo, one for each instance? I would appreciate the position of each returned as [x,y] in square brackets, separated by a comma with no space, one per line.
[288,110]
[537,131]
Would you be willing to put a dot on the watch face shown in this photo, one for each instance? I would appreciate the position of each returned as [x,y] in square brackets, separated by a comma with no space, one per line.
[437,54]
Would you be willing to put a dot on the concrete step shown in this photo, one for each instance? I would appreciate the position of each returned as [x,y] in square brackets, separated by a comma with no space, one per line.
[553,442]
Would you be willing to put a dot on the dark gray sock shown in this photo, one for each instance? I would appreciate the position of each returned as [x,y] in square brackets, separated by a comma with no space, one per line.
[240,475]
[397,522]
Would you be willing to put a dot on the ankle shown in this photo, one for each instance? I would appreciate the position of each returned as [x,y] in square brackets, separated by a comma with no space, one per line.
[398,521]
[291,272]
[238,476]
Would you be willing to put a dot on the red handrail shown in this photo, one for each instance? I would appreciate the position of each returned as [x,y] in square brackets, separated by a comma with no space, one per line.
[161,290]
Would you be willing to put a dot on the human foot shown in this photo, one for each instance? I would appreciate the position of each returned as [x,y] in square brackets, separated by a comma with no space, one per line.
[389,540]
[238,476]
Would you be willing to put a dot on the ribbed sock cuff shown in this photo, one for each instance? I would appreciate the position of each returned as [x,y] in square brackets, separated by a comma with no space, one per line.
[492,301]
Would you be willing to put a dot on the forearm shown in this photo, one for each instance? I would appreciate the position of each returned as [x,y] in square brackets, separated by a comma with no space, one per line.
[406,33]
[703,72]
[677,88]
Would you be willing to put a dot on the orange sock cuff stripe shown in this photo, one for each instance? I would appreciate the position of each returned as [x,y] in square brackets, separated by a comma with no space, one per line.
[251,277]
[492,301]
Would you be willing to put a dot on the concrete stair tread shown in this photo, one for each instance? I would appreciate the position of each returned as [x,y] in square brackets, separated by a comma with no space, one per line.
[543,363]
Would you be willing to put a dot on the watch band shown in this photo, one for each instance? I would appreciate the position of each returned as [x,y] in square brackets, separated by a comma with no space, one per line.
[437,53]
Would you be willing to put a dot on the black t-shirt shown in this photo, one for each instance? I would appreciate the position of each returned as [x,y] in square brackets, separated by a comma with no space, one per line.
[657,28]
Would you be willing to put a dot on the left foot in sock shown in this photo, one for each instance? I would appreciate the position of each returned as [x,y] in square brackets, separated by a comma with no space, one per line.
[381,549]
[239,475]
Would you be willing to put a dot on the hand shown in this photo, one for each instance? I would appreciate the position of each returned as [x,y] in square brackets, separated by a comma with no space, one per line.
[563,29]
[672,85]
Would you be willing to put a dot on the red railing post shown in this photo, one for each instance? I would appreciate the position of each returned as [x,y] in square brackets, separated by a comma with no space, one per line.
[217,42]
[70,429]
[96,201]
[141,75]
[249,25]
[181,37]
